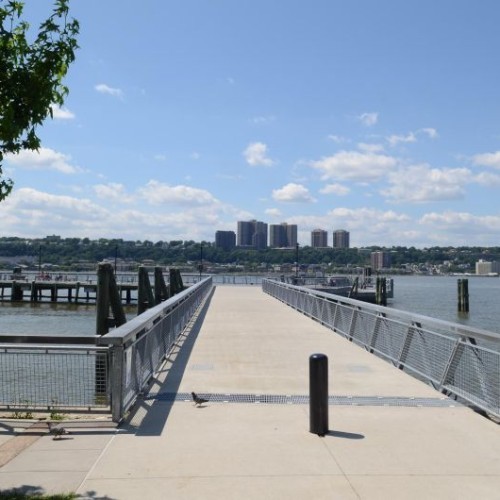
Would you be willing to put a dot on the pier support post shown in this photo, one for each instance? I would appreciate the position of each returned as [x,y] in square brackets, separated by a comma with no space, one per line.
[381,292]
[161,291]
[145,298]
[16,292]
[107,297]
[463,295]
[318,394]
[175,279]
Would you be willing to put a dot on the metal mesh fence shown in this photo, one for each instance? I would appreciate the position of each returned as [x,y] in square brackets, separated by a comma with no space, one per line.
[139,354]
[53,377]
[455,359]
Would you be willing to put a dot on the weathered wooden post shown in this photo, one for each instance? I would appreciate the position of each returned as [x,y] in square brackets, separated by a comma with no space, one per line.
[381,292]
[107,297]
[145,298]
[161,291]
[16,294]
[463,295]
[176,284]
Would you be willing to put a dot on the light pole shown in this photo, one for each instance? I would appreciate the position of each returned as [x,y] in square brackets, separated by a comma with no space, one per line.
[40,261]
[200,267]
[296,260]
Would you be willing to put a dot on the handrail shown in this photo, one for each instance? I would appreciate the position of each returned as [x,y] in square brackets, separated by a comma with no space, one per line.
[460,361]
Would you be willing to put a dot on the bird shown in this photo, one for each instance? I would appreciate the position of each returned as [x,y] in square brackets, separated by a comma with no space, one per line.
[198,401]
[57,431]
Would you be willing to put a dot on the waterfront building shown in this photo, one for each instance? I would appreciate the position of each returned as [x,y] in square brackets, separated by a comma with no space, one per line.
[380,260]
[283,235]
[484,267]
[252,234]
[340,238]
[319,238]
[225,240]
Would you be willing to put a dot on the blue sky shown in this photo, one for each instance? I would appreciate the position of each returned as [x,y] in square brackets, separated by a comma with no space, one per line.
[379,117]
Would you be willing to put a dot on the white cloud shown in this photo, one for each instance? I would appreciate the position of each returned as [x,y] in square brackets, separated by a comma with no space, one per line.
[411,137]
[293,193]
[394,140]
[160,157]
[256,155]
[59,113]
[356,166]
[337,189]
[106,89]
[482,229]
[368,119]
[487,160]
[421,183]
[157,193]
[195,156]
[431,132]
[43,159]
[112,191]
[487,179]
[337,139]
[273,212]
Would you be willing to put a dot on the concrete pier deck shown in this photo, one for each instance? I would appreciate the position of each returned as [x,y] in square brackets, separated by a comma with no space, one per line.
[391,436]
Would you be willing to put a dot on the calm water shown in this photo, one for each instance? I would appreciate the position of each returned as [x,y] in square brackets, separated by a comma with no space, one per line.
[436,296]
[427,295]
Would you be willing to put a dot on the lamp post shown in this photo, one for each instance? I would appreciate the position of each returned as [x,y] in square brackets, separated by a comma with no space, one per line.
[40,261]
[296,260]
[200,267]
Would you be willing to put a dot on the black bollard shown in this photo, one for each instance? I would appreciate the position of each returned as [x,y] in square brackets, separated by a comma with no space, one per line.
[318,394]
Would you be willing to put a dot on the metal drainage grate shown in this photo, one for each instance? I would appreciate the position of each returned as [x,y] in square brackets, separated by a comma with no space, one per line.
[282,399]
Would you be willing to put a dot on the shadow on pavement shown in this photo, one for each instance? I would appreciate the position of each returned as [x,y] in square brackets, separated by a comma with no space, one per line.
[148,416]
[345,435]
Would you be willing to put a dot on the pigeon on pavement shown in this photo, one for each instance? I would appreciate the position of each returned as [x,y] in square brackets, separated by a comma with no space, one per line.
[198,401]
[57,431]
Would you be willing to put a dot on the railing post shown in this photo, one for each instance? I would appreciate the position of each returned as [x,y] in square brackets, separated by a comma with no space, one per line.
[318,394]
[116,385]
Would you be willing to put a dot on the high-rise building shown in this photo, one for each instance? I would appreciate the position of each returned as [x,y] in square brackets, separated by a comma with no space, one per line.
[319,238]
[225,240]
[340,238]
[252,234]
[380,260]
[485,267]
[283,235]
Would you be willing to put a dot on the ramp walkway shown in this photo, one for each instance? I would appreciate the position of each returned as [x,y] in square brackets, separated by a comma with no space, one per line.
[390,436]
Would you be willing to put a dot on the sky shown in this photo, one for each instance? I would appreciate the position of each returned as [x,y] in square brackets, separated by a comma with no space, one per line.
[183,117]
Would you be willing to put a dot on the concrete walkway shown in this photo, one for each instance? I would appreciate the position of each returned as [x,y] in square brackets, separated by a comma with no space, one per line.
[382,445]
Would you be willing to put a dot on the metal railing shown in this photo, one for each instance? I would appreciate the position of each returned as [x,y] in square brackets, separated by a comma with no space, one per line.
[34,376]
[459,361]
[38,372]
[138,347]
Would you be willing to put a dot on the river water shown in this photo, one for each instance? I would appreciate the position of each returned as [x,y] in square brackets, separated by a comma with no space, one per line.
[434,296]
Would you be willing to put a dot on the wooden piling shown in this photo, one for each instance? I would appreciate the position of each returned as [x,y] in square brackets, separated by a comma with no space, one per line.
[145,298]
[16,294]
[175,279]
[381,291]
[107,297]
[161,291]
[463,295]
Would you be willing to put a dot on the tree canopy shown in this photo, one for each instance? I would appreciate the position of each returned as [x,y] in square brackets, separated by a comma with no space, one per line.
[31,75]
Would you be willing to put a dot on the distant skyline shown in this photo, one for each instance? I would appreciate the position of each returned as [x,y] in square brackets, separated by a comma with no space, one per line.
[381,118]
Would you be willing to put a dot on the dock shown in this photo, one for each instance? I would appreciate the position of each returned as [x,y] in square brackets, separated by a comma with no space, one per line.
[60,291]
[390,435]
